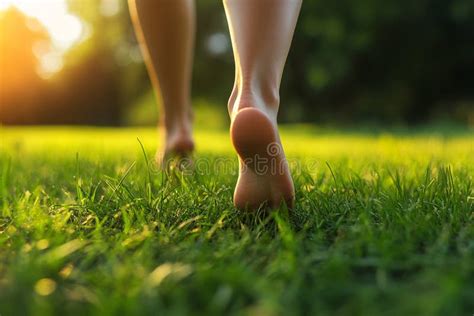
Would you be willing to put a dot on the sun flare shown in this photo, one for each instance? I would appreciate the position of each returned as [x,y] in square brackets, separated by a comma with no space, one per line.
[65,29]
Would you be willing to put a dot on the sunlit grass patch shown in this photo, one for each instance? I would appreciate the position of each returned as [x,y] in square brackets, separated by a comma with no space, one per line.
[383,224]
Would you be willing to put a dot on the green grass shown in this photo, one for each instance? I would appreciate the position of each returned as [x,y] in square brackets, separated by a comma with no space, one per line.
[384,224]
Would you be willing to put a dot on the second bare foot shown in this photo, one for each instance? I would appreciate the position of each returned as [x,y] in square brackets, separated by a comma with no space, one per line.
[178,143]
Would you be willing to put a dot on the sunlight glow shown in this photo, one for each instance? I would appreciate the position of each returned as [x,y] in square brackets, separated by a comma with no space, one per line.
[64,28]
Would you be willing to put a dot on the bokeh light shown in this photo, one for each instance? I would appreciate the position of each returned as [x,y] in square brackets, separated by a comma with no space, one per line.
[65,29]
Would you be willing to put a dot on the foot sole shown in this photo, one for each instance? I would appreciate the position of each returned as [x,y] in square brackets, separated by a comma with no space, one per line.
[264,176]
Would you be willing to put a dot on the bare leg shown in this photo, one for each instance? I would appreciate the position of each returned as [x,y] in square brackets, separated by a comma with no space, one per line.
[166,30]
[261,32]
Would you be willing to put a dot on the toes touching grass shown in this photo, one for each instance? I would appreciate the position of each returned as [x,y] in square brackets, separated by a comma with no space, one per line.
[382,224]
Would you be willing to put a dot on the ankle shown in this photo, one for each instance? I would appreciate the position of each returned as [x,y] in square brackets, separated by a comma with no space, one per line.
[183,130]
[178,124]
[266,100]
[178,139]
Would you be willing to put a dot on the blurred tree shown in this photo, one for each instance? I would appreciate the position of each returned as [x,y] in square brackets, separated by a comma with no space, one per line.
[396,60]
[20,84]
[92,87]
[367,60]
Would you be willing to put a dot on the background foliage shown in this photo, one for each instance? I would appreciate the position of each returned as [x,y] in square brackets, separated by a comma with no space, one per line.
[372,61]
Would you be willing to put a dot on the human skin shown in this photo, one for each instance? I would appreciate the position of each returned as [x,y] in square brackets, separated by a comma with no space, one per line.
[261,33]
[166,32]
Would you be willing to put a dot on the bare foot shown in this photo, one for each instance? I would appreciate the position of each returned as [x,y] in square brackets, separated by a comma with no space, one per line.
[264,176]
[178,143]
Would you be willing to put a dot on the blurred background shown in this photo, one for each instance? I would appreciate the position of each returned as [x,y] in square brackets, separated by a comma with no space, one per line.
[392,62]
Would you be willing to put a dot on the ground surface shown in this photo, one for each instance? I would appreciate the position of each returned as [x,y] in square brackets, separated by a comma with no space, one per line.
[384,224]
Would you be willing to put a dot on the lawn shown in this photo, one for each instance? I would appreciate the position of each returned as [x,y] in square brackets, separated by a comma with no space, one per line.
[383,224]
